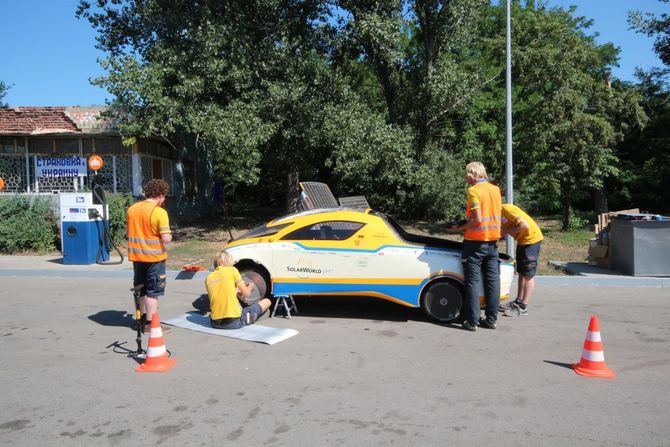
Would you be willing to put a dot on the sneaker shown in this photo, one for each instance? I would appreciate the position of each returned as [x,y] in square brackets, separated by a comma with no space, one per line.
[469,327]
[516,311]
[508,305]
[487,324]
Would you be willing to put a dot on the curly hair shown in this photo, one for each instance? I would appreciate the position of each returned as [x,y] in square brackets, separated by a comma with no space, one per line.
[155,188]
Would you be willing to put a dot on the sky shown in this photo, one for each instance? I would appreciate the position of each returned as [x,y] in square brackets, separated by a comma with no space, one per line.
[48,56]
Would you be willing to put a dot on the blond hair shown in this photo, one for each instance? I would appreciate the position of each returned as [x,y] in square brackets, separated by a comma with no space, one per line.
[476,170]
[223,258]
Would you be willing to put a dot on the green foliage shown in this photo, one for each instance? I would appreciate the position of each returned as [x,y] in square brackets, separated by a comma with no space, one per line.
[27,224]
[644,171]
[3,92]
[388,99]
[118,204]
[654,26]
[567,118]
[578,221]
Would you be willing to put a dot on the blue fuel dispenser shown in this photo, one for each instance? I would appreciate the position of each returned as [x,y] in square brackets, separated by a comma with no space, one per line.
[83,229]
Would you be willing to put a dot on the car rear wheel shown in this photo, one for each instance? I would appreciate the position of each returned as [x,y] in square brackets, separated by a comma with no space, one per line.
[261,284]
[442,301]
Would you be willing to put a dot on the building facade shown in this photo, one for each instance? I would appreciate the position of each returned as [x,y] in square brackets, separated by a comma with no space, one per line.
[41,148]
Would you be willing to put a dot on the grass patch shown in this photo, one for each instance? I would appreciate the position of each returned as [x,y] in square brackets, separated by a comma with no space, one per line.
[571,246]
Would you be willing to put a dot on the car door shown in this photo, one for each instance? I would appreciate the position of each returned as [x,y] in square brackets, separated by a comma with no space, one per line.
[316,258]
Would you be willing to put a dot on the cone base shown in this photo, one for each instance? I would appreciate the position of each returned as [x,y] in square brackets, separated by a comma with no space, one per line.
[605,373]
[164,366]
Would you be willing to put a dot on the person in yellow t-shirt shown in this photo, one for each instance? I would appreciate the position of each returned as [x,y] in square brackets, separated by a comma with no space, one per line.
[223,286]
[528,236]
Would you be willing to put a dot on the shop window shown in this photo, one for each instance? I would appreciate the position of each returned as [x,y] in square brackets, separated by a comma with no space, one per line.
[156,168]
[110,145]
[42,146]
[10,145]
[67,146]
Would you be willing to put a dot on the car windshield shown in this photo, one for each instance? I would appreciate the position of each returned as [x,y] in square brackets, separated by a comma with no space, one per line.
[325,231]
[264,230]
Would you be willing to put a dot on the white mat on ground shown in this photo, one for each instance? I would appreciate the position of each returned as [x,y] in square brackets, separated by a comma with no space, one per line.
[255,332]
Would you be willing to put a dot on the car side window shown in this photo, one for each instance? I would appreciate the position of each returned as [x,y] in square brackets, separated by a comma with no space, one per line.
[325,231]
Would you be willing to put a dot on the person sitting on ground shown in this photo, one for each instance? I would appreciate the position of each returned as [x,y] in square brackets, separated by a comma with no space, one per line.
[528,236]
[224,285]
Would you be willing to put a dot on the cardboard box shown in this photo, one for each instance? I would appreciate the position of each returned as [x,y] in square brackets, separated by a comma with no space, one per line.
[599,255]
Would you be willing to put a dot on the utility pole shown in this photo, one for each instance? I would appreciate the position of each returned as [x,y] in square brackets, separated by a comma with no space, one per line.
[509,184]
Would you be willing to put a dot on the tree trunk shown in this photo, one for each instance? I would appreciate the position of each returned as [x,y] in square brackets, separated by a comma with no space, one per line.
[292,188]
[600,204]
[566,202]
[567,210]
[389,90]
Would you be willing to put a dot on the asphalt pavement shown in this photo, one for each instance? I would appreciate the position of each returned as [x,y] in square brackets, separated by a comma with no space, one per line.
[360,372]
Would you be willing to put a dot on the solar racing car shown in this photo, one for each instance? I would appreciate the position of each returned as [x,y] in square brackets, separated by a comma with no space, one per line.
[353,252]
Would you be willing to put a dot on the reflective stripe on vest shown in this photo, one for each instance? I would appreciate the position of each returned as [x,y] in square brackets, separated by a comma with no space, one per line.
[491,209]
[143,244]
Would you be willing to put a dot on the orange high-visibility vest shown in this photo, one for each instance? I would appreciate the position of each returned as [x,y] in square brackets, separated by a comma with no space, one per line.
[144,245]
[490,205]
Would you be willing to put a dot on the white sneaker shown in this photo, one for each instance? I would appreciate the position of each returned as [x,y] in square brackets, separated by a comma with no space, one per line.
[515,311]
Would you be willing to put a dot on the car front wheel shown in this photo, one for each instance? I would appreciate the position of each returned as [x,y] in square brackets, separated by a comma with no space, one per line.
[442,301]
[261,285]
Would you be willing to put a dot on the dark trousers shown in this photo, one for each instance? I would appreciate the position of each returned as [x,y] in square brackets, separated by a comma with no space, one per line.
[481,259]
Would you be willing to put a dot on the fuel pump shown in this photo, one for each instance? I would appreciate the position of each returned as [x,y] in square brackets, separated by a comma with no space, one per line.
[105,240]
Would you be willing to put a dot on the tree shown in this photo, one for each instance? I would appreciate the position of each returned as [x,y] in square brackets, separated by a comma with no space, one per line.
[3,92]
[411,54]
[654,26]
[567,119]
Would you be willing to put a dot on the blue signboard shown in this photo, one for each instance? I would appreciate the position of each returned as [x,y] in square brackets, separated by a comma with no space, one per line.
[60,166]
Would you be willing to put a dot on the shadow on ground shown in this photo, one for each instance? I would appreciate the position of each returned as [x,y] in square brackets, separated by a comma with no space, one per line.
[118,318]
[348,307]
[564,365]
[354,307]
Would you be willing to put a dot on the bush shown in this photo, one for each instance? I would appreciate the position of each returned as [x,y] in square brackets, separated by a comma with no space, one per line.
[118,204]
[27,223]
[578,220]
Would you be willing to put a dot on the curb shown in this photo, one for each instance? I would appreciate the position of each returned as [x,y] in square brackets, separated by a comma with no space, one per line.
[172,274]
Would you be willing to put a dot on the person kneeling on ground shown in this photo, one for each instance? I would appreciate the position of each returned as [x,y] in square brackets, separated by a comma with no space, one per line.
[223,286]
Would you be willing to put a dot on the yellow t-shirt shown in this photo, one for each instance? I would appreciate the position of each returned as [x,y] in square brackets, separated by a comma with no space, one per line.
[511,215]
[160,222]
[222,290]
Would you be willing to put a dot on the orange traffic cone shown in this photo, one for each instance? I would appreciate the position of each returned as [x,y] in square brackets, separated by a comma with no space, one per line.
[592,363]
[157,358]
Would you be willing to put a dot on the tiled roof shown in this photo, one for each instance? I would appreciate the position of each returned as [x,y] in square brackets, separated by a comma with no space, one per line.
[89,119]
[54,120]
[35,121]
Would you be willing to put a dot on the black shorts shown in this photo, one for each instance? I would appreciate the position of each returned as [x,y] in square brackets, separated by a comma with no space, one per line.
[152,275]
[526,259]
[249,316]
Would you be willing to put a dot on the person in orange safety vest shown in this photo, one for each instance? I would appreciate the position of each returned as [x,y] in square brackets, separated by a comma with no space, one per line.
[482,229]
[148,232]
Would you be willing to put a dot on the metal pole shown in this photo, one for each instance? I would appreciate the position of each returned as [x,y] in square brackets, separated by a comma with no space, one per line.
[509,186]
